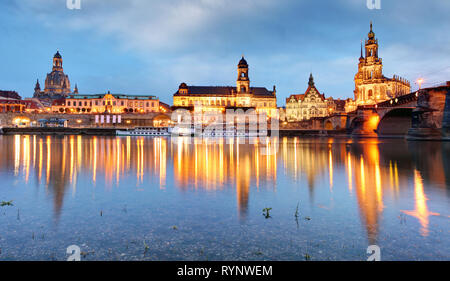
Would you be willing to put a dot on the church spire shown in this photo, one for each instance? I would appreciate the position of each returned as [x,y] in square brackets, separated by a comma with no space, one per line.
[371,33]
[37,88]
[75,90]
[311,80]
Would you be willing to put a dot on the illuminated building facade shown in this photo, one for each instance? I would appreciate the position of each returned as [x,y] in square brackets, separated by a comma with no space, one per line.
[11,105]
[371,86]
[217,99]
[11,101]
[308,105]
[350,105]
[106,103]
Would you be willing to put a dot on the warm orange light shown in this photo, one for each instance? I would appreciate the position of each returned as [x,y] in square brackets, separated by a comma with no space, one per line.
[420,81]
[374,121]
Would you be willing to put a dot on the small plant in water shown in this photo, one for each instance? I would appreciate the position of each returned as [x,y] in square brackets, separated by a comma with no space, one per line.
[146,247]
[307,257]
[174,227]
[296,211]
[266,212]
[6,203]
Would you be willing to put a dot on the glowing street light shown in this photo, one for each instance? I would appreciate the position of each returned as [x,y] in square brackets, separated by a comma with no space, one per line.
[420,81]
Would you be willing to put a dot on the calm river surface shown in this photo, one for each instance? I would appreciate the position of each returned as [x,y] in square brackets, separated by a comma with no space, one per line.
[133,198]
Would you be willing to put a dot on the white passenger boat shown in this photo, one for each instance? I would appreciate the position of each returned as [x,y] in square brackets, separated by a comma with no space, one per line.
[144,131]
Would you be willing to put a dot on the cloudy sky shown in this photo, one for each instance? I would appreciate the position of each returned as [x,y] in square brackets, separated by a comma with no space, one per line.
[151,46]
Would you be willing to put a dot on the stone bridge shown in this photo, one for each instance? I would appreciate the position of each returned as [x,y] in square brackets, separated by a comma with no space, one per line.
[424,114]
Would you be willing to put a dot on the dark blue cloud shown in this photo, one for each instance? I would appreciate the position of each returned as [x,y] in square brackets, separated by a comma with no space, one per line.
[149,47]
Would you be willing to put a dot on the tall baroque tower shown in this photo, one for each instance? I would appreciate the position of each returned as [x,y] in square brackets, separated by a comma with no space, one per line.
[243,82]
[371,86]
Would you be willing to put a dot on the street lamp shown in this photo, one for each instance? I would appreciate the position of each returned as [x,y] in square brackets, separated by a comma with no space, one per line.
[420,81]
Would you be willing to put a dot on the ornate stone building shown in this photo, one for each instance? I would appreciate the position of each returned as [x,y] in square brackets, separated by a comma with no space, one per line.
[371,86]
[57,84]
[308,105]
[106,103]
[217,99]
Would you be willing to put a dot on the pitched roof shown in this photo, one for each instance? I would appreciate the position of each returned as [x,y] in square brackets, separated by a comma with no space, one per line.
[296,97]
[117,96]
[301,97]
[10,95]
[223,91]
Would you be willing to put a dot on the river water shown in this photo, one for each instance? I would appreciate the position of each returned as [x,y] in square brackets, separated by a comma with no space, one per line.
[138,198]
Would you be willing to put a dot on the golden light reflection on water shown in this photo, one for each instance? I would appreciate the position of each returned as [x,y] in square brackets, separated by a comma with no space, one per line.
[372,171]
[421,211]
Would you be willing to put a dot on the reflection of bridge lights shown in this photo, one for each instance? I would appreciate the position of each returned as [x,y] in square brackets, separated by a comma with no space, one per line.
[374,121]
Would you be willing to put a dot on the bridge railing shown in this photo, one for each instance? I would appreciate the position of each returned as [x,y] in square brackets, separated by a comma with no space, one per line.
[399,100]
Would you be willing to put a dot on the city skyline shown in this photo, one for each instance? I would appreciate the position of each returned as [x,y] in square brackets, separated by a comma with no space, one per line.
[110,55]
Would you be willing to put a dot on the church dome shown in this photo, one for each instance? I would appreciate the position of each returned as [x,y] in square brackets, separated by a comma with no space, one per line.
[183,86]
[242,63]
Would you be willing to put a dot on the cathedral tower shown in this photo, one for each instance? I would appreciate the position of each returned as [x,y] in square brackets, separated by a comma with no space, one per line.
[371,86]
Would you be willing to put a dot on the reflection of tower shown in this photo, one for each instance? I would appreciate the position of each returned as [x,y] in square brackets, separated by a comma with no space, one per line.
[242,183]
[310,159]
[368,187]
[211,166]
[243,81]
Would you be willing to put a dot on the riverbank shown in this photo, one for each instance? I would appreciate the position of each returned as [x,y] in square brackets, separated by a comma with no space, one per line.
[112,131]
[59,131]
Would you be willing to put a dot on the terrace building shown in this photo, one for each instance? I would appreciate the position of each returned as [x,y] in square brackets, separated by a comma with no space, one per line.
[220,98]
[106,103]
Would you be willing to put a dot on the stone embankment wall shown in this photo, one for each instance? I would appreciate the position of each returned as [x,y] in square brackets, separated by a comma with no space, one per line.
[431,117]
[83,120]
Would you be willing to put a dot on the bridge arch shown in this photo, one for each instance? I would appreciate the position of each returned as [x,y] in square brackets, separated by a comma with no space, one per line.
[395,122]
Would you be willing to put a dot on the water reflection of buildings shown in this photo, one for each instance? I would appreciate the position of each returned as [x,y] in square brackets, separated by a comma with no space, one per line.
[217,163]
[57,162]
[312,158]
[374,170]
